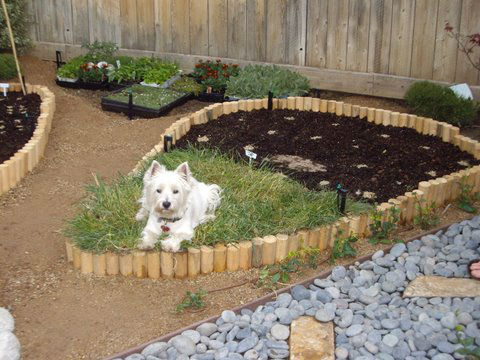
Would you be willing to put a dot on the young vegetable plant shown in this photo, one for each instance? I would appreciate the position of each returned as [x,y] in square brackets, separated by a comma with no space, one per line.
[427,216]
[382,229]
[467,197]
[192,300]
[342,247]
[468,347]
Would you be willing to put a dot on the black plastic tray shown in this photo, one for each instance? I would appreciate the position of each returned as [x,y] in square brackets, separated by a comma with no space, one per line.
[212,97]
[82,85]
[141,111]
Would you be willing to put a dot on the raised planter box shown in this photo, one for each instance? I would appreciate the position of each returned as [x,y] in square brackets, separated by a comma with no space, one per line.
[142,111]
[27,158]
[273,249]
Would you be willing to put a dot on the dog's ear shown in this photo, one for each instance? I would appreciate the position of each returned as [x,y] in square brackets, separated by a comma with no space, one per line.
[184,170]
[153,170]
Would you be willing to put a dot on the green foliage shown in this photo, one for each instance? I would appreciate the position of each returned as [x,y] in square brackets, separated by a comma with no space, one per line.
[440,103]
[342,247]
[146,96]
[192,300]
[19,21]
[273,276]
[90,72]
[249,208]
[427,216]
[214,74]
[71,69]
[187,85]
[466,200]
[255,81]
[100,51]
[8,69]
[382,229]
[161,72]
[468,347]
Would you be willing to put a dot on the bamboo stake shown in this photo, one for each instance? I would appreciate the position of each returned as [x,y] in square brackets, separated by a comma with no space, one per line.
[12,43]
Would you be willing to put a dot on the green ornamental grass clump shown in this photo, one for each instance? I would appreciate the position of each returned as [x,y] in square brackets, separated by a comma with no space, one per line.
[440,103]
[255,81]
[255,202]
[8,69]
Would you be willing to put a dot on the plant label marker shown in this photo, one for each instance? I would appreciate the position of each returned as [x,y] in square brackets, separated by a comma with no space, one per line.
[118,64]
[4,87]
[251,156]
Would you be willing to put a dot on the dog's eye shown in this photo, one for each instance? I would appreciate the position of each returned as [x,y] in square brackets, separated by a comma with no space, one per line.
[159,191]
[175,191]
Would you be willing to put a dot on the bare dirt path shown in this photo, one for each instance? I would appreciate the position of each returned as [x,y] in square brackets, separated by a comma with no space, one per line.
[59,313]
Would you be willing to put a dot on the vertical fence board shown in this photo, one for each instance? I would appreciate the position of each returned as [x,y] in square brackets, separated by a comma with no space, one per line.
[380,36]
[256,29]
[80,28]
[104,20]
[276,37]
[217,27]
[424,31]
[68,22]
[236,29]
[445,59]
[145,25]
[296,18]
[337,34]
[357,45]
[199,27]
[51,25]
[402,35]
[163,25]
[180,27]
[128,15]
[469,24]
[317,26]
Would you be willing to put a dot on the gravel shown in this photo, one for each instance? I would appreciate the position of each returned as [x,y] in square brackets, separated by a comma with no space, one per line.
[372,320]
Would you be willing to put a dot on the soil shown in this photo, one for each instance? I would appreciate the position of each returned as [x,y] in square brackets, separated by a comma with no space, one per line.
[18,119]
[373,162]
[59,313]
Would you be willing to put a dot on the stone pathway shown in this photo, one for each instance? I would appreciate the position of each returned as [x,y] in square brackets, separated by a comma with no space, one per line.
[372,319]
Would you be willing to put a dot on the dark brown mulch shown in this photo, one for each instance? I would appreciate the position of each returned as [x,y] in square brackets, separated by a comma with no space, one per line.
[361,156]
[16,128]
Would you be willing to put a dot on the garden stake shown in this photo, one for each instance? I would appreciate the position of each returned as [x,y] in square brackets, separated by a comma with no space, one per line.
[12,43]
[270,100]
[23,79]
[58,56]
[130,105]
[167,143]
[341,198]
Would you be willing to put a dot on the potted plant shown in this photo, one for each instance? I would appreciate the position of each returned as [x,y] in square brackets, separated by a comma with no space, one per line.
[214,76]
[94,73]
[162,74]
[70,71]
[187,85]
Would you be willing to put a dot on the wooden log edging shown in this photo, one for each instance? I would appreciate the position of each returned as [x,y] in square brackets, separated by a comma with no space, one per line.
[28,157]
[273,249]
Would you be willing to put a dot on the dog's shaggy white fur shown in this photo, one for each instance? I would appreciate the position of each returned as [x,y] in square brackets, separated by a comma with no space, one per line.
[175,203]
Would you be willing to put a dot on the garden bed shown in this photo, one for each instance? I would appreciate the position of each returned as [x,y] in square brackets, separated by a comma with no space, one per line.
[23,138]
[321,150]
[18,119]
[147,101]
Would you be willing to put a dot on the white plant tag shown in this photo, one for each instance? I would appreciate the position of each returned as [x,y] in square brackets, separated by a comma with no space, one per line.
[4,87]
[462,90]
[118,64]
[250,154]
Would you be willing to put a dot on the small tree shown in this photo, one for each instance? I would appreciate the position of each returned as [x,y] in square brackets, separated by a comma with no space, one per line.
[466,43]
[19,22]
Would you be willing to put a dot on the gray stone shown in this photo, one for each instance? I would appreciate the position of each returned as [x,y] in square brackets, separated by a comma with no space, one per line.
[354,330]
[300,292]
[284,316]
[338,273]
[155,348]
[201,348]
[130,357]
[442,357]
[341,353]
[231,346]
[183,345]
[244,333]
[207,329]
[390,340]
[398,249]
[251,354]
[228,316]
[449,321]
[390,324]
[248,343]
[283,300]
[280,332]
[193,335]
[278,353]
[324,315]
[215,344]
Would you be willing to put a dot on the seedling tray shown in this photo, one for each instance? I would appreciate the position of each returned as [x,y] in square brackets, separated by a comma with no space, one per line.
[212,97]
[142,111]
[82,85]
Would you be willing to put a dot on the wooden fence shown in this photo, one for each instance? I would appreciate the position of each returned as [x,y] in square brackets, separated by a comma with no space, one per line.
[397,38]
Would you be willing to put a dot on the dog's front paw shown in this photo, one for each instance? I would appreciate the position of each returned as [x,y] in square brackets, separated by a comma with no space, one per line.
[141,214]
[171,244]
[145,245]
[147,241]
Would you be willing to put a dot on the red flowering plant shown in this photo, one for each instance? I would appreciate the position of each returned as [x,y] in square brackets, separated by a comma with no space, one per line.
[214,74]
[94,73]
[466,44]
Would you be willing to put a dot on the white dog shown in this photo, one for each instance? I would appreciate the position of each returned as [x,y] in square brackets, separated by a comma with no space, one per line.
[175,203]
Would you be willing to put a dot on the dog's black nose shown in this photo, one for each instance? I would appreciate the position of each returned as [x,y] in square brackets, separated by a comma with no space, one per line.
[166,204]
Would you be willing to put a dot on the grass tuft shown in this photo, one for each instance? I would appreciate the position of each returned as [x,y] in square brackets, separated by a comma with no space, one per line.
[255,202]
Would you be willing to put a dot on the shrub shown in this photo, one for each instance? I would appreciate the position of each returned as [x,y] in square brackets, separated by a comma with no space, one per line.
[100,51]
[214,74]
[19,22]
[440,103]
[8,69]
[255,81]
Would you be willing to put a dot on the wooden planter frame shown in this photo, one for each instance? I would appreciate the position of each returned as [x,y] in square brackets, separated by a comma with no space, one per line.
[274,248]
[25,159]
